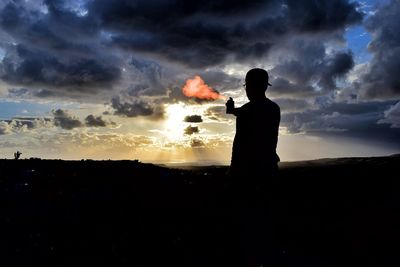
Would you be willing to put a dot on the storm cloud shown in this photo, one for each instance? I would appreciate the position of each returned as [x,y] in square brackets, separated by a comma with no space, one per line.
[80,48]
[381,81]
[205,33]
[38,68]
[368,121]
[48,46]
[309,70]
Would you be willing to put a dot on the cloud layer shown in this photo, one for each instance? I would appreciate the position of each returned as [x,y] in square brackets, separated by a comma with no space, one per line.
[133,58]
[82,45]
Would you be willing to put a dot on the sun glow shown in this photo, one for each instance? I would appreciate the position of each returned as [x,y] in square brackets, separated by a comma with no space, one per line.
[174,124]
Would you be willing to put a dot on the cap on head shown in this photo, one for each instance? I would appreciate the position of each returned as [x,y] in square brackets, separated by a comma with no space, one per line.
[257,78]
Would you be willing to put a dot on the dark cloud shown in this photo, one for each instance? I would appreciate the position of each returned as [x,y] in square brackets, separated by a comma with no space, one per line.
[288,105]
[191,130]
[301,61]
[148,78]
[335,67]
[309,70]
[136,108]
[382,81]
[69,48]
[38,68]
[137,89]
[367,121]
[43,93]
[65,121]
[96,121]
[52,26]
[185,36]
[315,15]
[392,116]
[331,116]
[284,88]
[34,120]
[221,81]
[53,48]
[193,118]
[355,108]
[205,33]
[150,68]
[17,92]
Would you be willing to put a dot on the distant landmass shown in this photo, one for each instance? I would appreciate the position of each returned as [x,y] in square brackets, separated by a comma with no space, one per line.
[326,212]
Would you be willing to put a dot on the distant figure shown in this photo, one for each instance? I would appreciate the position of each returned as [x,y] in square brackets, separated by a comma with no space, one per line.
[254,166]
[17,155]
[257,126]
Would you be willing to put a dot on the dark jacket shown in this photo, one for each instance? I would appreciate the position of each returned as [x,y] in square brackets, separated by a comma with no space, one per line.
[254,146]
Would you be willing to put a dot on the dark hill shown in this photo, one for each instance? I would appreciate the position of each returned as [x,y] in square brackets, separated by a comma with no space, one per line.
[328,212]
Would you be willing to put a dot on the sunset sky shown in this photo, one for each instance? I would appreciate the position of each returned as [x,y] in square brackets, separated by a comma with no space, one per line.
[103,79]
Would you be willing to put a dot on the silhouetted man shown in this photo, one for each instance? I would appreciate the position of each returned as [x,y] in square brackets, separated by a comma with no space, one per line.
[257,125]
[254,165]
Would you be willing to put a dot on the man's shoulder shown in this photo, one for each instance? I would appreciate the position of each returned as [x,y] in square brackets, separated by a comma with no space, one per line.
[274,105]
[268,105]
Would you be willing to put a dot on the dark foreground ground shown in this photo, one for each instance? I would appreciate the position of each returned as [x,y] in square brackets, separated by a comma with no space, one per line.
[340,212]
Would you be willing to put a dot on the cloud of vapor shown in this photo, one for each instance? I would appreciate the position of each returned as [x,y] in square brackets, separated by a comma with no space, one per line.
[197,88]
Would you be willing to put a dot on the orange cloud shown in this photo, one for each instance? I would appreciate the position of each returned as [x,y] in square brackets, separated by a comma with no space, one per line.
[196,87]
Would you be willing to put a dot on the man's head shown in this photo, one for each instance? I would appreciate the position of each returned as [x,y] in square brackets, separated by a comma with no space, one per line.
[256,83]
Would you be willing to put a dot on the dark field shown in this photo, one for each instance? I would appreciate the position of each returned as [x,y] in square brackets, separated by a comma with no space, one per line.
[339,212]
